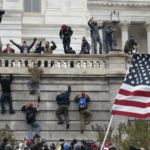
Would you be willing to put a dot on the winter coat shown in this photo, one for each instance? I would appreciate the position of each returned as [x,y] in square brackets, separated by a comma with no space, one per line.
[2,147]
[38,50]
[84,48]
[25,109]
[77,147]
[5,83]
[11,51]
[8,147]
[35,74]
[128,46]
[49,49]
[66,34]
[22,47]
[64,98]
[95,29]
[108,35]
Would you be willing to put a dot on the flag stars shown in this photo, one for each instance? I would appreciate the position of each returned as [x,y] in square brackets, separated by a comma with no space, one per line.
[130,77]
[132,82]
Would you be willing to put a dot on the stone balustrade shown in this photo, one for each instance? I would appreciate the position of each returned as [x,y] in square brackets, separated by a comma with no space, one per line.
[89,64]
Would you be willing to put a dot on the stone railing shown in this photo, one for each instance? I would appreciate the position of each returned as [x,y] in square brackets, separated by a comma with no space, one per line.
[66,64]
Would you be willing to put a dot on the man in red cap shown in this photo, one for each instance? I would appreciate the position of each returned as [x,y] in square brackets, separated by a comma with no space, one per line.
[83,109]
[31,120]
[65,35]
[107,146]
[24,48]
[8,49]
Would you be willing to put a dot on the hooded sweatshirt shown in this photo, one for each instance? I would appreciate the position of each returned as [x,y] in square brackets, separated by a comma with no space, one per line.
[6,85]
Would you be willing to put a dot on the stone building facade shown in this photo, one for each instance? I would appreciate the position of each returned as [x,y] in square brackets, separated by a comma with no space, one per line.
[26,19]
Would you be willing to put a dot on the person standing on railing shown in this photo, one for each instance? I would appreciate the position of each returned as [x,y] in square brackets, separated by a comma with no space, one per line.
[109,38]
[85,47]
[49,49]
[65,35]
[63,102]
[6,93]
[83,109]
[35,79]
[95,35]
[24,48]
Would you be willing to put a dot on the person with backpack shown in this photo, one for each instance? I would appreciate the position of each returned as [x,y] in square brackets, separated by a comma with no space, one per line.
[85,47]
[6,93]
[31,120]
[65,35]
[63,101]
[35,79]
[83,109]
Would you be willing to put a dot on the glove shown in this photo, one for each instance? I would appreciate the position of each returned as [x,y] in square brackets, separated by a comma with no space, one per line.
[52,42]
[11,41]
[34,39]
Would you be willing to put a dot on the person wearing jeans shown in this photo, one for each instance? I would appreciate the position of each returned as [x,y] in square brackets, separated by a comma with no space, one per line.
[6,93]
[35,79]
[65,35]
[95,35]
[63,102]
[109,38]
[31,122]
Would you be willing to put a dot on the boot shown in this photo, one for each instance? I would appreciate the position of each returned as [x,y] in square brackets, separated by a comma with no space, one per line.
[60,122]
[3,112]
[67,126]
[37,136]
[32,92]
[39,99]
[12,112]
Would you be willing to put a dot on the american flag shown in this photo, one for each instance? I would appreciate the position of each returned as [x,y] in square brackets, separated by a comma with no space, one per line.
[133,98]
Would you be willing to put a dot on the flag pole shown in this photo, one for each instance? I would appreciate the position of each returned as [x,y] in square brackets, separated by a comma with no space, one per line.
[107,132]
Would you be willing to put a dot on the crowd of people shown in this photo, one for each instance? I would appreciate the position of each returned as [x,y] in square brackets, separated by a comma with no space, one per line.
[66,33]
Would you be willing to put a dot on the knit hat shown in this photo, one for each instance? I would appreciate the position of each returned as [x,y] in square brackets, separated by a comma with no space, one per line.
[63,27]
[66,146]
[77,147]
[31,105]
[107,144]
[7,44]
[88,144]
[109,26]
[74,141]
[82,93]
[28,142]
[5,140]
[24,41]
[37,44]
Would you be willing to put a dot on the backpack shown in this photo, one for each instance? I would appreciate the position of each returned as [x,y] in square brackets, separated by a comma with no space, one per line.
[30,115]
[82,103]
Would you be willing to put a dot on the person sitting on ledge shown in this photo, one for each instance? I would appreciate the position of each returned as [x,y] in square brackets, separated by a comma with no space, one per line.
[6,93]
[8,49]
[23,48]
[85,47]
[31,120]
[48,49]
[63,102]
[35,79]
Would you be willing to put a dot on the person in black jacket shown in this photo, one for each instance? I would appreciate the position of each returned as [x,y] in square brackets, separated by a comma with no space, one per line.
[38,48]
[5,142]
[6,93]
[24,48]
[65,35]
[63,102]
[30,118]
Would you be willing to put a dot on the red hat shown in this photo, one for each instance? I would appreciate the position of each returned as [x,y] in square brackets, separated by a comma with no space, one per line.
[24,41]
[82,93]
[30,105]
[107,144]
[94,145]
[8,44]
[63,27]
[28,141]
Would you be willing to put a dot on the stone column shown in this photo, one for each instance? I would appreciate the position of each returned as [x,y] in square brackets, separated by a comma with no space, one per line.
[124,25]
[147,26]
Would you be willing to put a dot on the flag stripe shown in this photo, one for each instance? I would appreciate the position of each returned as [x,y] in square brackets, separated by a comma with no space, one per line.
[130,114]
[131,103]
[134,93]
[131,109]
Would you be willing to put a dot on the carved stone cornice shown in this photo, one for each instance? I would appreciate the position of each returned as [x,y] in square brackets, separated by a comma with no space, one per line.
[11,18]
[124,25]
[147,27]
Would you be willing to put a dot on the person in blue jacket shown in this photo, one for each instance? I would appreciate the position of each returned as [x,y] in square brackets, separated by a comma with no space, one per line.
[109,38]
[85,47]
[63,102]
[38,48]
